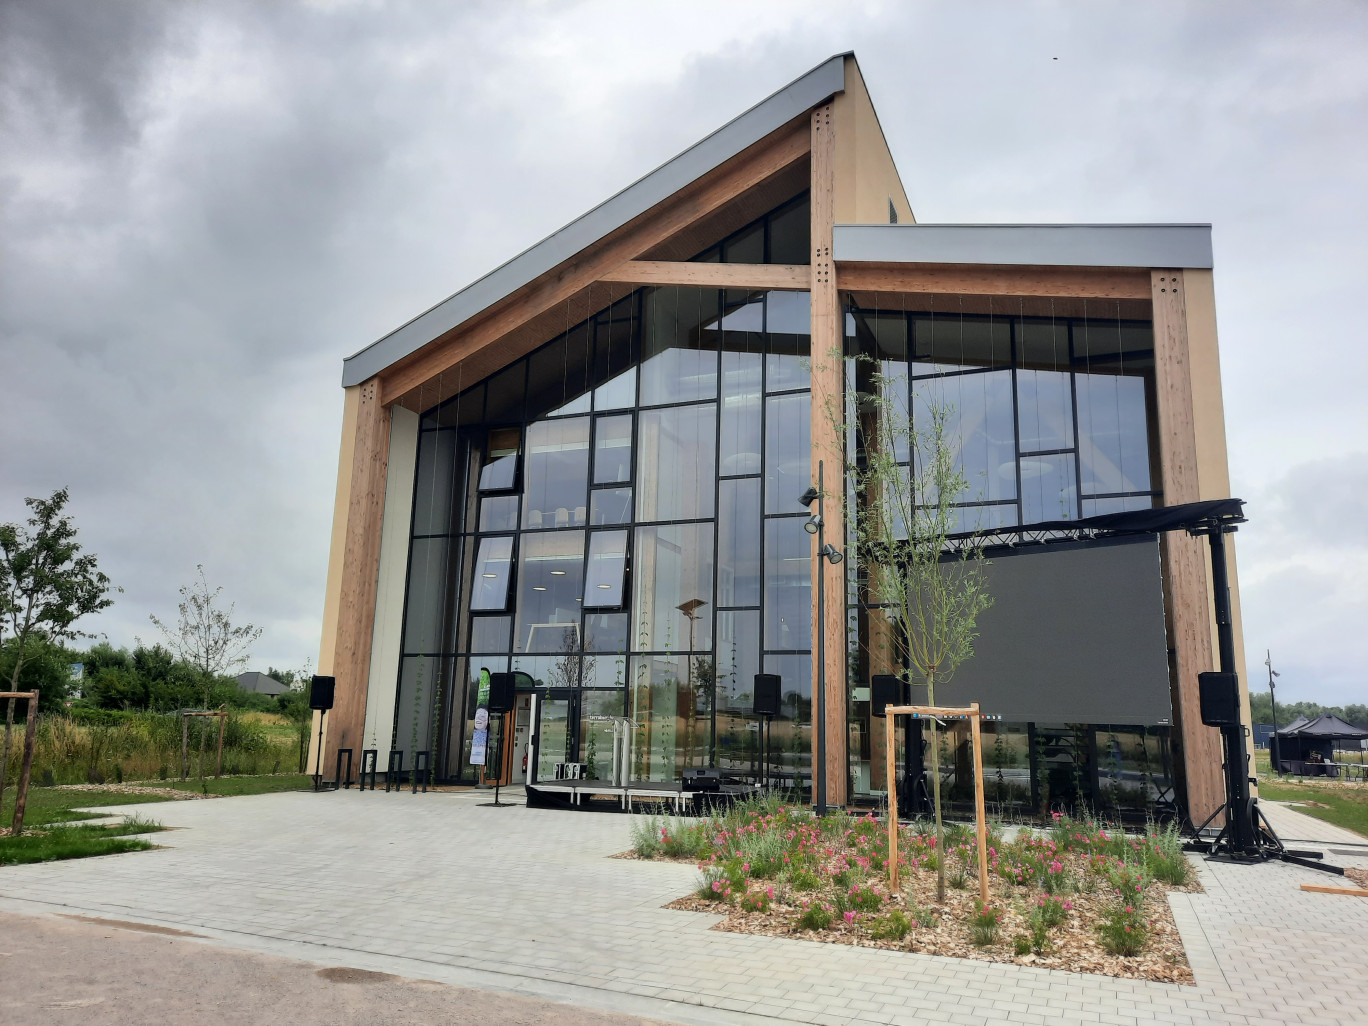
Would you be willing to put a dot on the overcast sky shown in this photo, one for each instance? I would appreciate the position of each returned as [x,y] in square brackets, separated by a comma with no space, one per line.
[205,207]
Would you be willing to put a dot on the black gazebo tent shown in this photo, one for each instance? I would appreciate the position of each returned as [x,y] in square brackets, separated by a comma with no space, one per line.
[1305,746]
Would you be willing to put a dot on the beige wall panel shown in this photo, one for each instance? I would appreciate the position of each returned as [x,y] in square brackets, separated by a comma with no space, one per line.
[387,637]
[866,177]
[827,388]
[332,591]
[1186,561]
[360,573]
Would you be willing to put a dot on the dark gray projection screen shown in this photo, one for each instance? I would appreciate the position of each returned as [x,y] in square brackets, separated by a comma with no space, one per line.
[1075,635]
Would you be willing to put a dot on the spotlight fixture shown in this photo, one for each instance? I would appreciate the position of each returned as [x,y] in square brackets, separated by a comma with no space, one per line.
[809,497]
[538,587]
[813,523]
[832,555]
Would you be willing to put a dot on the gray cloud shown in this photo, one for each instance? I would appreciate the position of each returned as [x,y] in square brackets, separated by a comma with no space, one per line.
[204,207]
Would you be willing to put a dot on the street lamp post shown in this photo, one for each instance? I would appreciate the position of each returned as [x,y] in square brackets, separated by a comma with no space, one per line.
[1273,741]
[816,525]
[690,609]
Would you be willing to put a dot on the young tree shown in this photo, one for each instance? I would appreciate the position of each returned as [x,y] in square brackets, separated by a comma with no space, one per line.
[46,584]
[205,636]
[907,483]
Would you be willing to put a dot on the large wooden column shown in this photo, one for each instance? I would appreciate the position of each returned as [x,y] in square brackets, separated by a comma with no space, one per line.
[1185,558]
[360,575]
[827,447]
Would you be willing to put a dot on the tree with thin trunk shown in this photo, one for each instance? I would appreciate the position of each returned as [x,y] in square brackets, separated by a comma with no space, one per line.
[205,636]
[920,566]
[46,583]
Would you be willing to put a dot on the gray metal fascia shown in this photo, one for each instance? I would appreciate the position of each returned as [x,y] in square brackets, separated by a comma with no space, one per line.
[1062,245]
[804,93]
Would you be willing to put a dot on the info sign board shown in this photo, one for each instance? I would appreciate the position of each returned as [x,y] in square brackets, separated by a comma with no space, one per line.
[479,741]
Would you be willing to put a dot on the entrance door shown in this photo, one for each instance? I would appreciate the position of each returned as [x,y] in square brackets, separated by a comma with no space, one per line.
[557,730]
[521,737]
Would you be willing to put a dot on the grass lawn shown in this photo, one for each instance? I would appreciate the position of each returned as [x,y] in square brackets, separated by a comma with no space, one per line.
[76,841]
[57,805]
[1346,808]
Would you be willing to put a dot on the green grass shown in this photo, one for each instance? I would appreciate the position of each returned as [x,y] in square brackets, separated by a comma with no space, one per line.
[76,841]
[57,805]
[1347,809]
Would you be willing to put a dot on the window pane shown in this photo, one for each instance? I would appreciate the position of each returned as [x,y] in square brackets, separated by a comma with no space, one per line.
[788,584]
[557,474]
[493,561]
[558,376]
[610,506]
[671,566]
[679,358]
[746,248]
[432,494]
[550,586]
[979,426]
[791,732]
[984,518]
[596,730]
[607,567]
[672,735]
[500,473]
[612,450]
[740,437]
[788,452]
[1045,410]
[738,543]
[788,320]
[947,342]
[676,460]
[489,633]
[499,513]
[1113,445]
[738,661]
[1048,488]
[606,632]
[1120,504]
[614,356]
[427,590]
[789,235]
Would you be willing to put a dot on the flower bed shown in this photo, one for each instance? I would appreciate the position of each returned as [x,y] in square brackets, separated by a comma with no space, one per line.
[1077,897]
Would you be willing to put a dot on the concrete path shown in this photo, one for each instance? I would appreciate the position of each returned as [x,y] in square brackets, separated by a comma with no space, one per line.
[442,887]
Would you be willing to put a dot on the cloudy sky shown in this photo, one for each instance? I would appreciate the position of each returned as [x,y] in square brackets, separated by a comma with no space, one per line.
[205,207]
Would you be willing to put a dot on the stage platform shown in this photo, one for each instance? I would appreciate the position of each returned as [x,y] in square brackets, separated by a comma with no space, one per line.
[576,792]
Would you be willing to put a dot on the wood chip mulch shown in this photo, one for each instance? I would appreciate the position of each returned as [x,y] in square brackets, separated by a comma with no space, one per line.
[175,794]
[1359,876]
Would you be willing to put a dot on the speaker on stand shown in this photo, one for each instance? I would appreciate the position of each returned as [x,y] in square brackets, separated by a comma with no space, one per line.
[321,694]
[768,687]
[502,697]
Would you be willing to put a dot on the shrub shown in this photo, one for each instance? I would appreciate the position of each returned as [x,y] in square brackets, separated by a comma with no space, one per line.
[860,899]
[984,925]
[1124,931]
[757,900]
[721,880]
[818,915]
[803,879]
[894,926]
[1164,857]
[1021,944]
[681,839]
[645,836]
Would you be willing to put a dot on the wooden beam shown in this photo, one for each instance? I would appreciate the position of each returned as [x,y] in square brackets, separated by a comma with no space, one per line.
[826,414]
[360,575]
[749,168]
[784,277]
[1186,595]
[1356,892]
[977,280]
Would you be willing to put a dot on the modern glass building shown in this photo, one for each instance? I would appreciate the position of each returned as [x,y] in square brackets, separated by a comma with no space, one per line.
[587,467]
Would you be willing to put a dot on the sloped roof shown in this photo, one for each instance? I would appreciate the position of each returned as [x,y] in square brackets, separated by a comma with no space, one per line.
[800,95]
[1325,726]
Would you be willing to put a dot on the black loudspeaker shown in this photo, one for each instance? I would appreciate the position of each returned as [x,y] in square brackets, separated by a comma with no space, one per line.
[884,690]
[501,692]
[1220,699]
[321,692]
[702,780]
[767,687]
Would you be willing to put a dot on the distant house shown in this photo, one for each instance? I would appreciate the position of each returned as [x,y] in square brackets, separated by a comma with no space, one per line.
[261,684]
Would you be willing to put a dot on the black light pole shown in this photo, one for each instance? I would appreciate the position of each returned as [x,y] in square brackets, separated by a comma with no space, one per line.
[1273,741]
[816,525]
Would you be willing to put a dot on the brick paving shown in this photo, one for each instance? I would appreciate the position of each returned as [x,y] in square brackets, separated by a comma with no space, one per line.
[442,887]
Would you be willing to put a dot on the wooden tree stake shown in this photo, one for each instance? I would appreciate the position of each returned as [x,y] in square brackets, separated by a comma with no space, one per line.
[26,770]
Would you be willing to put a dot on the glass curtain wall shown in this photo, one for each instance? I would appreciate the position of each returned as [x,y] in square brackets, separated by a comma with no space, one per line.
[1051,418]
[621,522]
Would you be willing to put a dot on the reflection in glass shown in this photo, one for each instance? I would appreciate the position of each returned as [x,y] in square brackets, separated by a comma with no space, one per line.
[746,247]
[788,451]
[1118,504]
[489,633]
[738,542]
[597,708]
[738,661]
[427,589]
[499,513]
[554,746]
[984,518]
[550,586]
[558,376]
[672,734]
[679,357]
[955,342]
[676,463]
[606,632]
[500,473]
[610,506]
[603,583]
[557,474]
[1113,445]
[740,431]
[671,565]
[420,686]
[614,360]
[790,232]
[788,584]
[1048,488]
[613,449]
[1044,410]
[979,427]
[791,731]
[432,494]
[493,561]
[788,319]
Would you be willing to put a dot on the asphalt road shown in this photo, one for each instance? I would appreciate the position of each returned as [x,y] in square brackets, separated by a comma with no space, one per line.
[76,971]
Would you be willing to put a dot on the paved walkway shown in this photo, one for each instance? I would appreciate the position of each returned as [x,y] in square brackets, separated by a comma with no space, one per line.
[442,887]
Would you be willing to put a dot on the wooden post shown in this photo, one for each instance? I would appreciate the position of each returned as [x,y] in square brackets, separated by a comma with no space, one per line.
[185,745]
[892,805]
[26,770]
[4,759]
[218,769]
[979,813]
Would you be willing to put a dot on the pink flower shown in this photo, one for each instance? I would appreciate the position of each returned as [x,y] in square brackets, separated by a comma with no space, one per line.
[850,917]
[1068,906]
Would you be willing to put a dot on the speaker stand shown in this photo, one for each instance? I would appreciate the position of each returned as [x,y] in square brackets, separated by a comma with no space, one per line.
[498,761]
[318,760]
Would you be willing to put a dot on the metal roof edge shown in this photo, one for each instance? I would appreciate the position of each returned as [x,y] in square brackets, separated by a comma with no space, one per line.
[1063,245]
[748,128]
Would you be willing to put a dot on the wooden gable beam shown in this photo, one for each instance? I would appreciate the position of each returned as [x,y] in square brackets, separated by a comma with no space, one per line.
[969,279]
[782,277]
[751,167]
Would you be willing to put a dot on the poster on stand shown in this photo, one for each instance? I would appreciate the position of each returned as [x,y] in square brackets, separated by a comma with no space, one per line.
[479,741]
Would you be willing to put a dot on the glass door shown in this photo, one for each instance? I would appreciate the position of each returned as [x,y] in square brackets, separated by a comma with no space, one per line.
[557,730]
